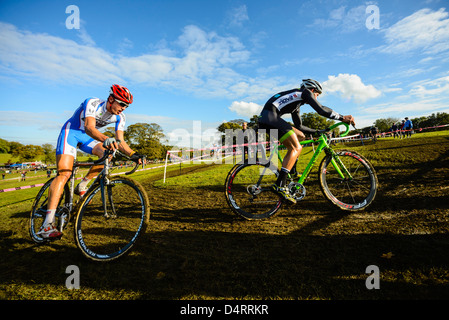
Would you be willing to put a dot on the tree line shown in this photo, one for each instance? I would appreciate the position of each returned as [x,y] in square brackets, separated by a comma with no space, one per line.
[144,138]
[435,119]
[315,121]
[149,138]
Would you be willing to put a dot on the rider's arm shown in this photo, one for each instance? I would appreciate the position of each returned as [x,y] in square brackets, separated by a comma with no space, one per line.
[92,131]
[298,123]
[309,98]
[123,146]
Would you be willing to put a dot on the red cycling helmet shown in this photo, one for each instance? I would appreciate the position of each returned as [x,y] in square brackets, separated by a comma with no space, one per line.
[121,93]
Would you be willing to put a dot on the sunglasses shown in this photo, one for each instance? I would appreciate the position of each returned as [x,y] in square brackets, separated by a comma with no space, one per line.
[121,103]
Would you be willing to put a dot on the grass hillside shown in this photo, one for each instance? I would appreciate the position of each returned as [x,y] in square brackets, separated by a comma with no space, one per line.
[195,248]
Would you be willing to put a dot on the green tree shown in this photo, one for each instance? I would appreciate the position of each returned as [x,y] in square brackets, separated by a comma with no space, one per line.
[28,152]
[315,121]
[146,138]
[441,118]
[383,125]
[229,125]
[253,122]
[4,146]
[13,146]
[110,132]
[49,153]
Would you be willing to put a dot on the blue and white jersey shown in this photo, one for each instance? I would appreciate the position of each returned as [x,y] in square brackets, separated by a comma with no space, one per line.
[94,107]
[73,134]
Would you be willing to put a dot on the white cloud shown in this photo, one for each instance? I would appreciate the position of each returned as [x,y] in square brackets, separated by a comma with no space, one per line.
[395,108]
[42,121]
[51,58]
[424,97]
[246,109]
[202,66]
[343,20]
[350,86]
[434,87]
[238,16]
[84,35]
[424,30]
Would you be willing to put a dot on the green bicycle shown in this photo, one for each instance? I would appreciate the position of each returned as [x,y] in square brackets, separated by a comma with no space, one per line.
[347,180]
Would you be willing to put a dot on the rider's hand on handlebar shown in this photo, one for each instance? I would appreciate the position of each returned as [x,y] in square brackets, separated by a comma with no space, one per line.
[137,157]
[349,119]
[111,143]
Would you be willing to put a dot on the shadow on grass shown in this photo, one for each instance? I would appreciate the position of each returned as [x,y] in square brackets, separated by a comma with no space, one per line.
[195,248]
[224,263]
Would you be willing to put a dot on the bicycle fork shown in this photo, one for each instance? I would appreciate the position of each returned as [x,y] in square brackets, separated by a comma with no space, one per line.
[106,195]
[338,165]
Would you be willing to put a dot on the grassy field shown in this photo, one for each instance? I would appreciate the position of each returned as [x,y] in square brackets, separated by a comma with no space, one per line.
[195,248]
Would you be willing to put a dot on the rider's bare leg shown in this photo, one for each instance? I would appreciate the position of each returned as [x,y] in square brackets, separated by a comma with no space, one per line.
[98,150]
[64,163]
[293,151]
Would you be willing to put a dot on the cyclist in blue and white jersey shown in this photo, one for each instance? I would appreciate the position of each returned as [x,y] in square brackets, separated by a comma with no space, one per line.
[81,131]
[289,102]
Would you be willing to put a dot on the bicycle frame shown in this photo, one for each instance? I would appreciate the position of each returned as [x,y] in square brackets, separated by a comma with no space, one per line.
[102,179]
[322,145]
[71,181]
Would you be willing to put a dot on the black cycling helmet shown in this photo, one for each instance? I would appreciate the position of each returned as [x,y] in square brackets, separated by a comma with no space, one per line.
[312,84]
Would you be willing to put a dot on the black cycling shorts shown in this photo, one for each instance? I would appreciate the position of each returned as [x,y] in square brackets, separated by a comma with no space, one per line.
[269,119]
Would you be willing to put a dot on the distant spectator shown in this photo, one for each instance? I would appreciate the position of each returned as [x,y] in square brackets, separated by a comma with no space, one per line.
[401,129]
[373,133]
[245,140]
[408,126]
[394,129]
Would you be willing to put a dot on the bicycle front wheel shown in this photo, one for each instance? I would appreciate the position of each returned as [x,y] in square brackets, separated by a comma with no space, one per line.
[349,182]
[248,191]
[110,219]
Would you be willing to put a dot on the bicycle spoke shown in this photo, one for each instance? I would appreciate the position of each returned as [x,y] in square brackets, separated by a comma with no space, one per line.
[349,191]
[349,194]
[104,236]
[248,191]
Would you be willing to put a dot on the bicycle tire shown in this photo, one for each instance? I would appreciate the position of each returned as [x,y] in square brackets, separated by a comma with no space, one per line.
[248,191]
[103,238]
[349,194]
[39,210]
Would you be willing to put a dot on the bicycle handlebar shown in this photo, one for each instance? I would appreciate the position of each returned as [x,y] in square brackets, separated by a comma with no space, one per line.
[142,158]
[332,127]
[106,154]
[137,164]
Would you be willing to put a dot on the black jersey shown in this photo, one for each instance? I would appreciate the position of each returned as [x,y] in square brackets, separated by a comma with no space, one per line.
[290,102]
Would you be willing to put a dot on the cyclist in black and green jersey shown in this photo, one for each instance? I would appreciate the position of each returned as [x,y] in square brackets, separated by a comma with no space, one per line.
[289,102]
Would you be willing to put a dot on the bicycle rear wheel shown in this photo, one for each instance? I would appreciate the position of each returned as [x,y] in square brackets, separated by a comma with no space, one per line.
[106,235]
[39,211]
[248,191]
[352,193]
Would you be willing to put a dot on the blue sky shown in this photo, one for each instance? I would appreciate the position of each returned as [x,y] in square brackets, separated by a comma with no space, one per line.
[191,62]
